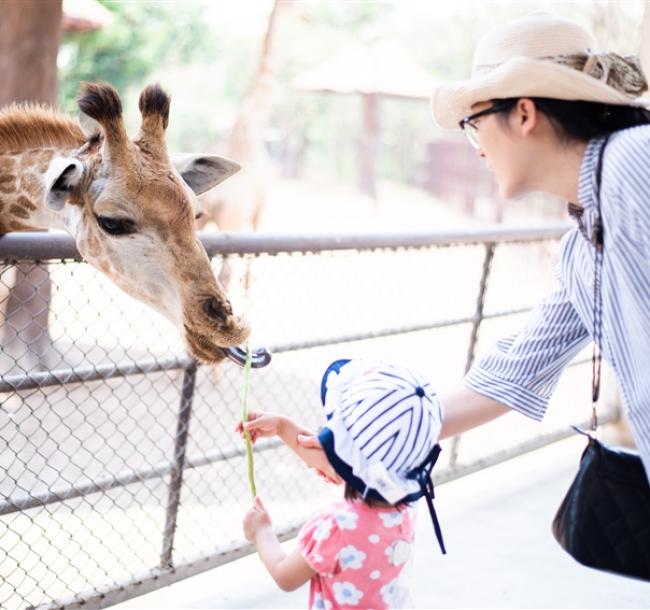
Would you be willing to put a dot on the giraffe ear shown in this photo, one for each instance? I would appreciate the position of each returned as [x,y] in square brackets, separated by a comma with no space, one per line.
[202,172]
[61,177]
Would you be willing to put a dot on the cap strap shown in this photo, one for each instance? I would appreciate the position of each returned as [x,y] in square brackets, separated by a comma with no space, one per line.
[423,477]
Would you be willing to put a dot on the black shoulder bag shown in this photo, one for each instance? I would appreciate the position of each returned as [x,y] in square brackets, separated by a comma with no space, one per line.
[604,519]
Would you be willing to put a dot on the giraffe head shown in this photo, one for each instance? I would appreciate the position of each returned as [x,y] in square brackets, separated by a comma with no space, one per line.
[131,208]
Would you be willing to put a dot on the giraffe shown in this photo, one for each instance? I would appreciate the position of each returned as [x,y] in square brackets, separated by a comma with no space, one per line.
[129,206]
[239,203]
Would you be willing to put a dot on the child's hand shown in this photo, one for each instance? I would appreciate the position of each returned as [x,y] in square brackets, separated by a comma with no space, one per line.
[260,425]
[256,519]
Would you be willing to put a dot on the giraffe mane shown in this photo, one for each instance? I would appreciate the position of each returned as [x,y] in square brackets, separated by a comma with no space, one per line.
[27,126]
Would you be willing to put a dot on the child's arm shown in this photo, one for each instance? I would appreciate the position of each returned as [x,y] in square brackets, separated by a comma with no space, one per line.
[289,571]
[268,424]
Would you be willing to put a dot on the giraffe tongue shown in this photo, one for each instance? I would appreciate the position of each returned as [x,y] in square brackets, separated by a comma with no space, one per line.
[259,357]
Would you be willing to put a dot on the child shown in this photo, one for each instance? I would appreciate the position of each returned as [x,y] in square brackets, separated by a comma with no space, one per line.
[380,440]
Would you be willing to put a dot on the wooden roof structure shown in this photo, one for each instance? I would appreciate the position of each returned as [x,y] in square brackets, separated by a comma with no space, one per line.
[382,68]
[84,16]
[379,69]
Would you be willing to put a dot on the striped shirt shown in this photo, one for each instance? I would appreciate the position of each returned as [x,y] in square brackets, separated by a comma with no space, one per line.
[522,370]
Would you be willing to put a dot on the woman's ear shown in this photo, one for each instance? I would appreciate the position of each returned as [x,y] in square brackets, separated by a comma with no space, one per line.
[526,116]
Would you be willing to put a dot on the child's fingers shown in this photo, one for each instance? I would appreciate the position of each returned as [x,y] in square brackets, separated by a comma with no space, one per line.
[259,425]
[257,503]
[252,432]
[241,426]
[253,424]
[240,430]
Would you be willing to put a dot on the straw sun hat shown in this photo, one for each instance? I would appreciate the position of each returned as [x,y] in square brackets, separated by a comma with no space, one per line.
[540,55]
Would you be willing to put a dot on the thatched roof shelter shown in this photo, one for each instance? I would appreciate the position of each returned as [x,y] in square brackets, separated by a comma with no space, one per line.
[84,16]
[380,69]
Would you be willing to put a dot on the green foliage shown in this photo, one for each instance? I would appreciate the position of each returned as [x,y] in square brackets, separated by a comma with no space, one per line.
[348,16]
[142,36]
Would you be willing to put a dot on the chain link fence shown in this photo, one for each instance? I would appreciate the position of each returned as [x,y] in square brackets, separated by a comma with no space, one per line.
[121,468]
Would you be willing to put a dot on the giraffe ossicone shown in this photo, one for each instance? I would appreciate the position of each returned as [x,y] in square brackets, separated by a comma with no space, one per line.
[128,203]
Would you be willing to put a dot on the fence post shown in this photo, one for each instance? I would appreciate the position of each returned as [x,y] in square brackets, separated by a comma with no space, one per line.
[176,476]
[473,339]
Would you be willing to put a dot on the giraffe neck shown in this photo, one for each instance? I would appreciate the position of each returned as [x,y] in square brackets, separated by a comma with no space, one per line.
[245,141]
[22,192]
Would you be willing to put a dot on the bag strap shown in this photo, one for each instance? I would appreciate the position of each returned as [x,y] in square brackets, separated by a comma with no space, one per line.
[598,241]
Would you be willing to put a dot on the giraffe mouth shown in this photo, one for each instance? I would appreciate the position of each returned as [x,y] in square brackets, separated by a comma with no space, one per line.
[202,348]
[207,351]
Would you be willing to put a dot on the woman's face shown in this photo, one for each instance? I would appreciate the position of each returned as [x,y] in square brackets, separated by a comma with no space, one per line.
[506,149]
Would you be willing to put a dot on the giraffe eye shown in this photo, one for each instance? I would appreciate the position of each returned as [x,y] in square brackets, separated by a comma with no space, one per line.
[116,226]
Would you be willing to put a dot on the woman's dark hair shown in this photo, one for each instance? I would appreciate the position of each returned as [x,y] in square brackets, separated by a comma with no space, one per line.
[578,120]
[352,494]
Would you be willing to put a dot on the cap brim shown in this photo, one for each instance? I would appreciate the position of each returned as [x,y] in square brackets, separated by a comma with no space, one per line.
[519,77]
[343,469]
[335,367]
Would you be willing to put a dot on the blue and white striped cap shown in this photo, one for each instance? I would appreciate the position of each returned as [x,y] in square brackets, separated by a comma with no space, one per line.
[383,423]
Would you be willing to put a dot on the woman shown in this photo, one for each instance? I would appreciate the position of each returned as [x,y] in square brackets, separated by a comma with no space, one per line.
[539,107]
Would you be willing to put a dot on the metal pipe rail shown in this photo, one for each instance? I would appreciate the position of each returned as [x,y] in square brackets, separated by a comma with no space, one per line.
[48,246]
[30,381]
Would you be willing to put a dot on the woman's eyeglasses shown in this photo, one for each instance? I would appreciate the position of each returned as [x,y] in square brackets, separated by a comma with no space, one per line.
[469,121]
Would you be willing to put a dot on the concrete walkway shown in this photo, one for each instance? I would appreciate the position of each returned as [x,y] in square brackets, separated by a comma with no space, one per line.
[501,553]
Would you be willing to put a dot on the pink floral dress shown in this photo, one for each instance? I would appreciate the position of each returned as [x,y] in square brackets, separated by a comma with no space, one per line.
[358,553]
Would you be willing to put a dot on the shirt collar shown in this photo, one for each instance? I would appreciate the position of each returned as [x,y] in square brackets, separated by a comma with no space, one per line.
[587,179]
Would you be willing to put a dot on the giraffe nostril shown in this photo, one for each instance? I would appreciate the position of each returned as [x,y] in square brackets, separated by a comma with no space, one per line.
[216,310]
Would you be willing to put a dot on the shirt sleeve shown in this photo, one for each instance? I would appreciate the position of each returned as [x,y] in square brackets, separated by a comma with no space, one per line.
[319,542]
[522,370]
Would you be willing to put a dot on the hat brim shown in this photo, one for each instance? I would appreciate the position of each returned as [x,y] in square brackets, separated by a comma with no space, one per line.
[344,470]
[522,77]
[335,367]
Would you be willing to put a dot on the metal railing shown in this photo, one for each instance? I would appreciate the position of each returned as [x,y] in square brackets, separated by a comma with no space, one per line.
[75,454]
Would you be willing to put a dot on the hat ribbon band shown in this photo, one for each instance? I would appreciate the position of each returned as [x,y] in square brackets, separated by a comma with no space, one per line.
[622,73]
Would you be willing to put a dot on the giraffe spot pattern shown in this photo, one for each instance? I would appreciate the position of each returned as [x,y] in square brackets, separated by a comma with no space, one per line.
[7,183]
[30,184]
[19,211]
[7,164]
[25,203]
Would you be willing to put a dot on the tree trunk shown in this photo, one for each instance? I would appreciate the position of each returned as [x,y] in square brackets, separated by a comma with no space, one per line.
[30,31]
[369,145]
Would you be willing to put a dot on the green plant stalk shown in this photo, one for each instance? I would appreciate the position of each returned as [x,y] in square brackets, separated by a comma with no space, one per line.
[244,418]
